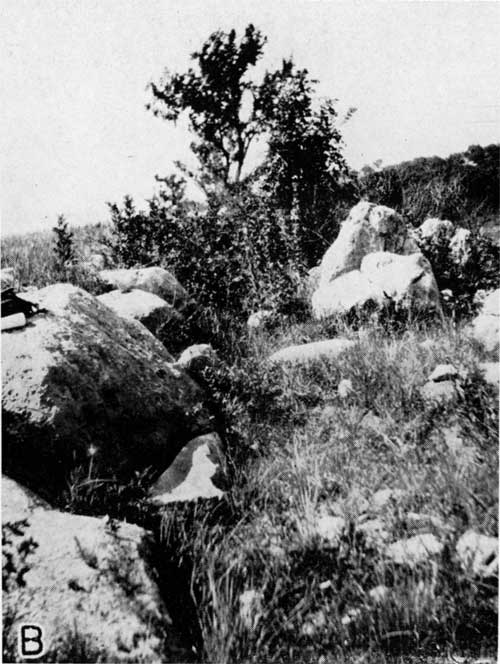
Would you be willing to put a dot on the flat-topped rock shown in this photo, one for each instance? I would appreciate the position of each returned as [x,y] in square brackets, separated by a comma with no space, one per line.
[154,280]
[328,349]
[149,309]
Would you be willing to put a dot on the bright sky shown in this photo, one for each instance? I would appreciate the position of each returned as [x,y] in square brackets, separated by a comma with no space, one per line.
[423,75]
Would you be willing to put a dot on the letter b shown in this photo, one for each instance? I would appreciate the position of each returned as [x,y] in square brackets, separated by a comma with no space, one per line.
[30,641]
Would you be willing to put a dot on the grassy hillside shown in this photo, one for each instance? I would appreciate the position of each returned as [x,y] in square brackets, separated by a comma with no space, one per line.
[301,454]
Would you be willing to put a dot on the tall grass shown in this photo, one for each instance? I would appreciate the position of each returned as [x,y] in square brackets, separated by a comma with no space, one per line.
[33,255]
[312,453]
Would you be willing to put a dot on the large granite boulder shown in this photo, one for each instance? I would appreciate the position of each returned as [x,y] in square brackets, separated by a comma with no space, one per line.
[486,325]
[403,281]
[89,582]
[369,228]
[154,280]
[83,386]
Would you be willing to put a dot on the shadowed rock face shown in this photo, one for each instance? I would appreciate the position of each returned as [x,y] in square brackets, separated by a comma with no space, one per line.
[78,378]
[89,582]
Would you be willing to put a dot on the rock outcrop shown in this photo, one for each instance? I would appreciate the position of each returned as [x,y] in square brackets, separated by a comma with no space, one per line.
[154,280]
[374,262]
[89,582]
[80,379]
[368,229]
[383,279]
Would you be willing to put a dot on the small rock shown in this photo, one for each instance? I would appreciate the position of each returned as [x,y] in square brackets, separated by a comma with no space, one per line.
[491,372]
[251,603]
[379,594]
[258,319]
[356,504]
[384,497]
[345,388]
[444,372]
[434,227]
[414,550]
[328,413]
[478,554]
[330,528]
[191,474]
[373,422]
[351,616]
[375,532]
[427,344]
[329,349]
[486,326]
[442,392]
[197,357]
[416,522]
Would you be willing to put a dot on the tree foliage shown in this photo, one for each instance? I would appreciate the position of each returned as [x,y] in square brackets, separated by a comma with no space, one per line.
[303,169]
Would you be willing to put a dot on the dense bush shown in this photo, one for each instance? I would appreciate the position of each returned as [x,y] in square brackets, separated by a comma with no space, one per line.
[463,187]
[462,275]
[234,254]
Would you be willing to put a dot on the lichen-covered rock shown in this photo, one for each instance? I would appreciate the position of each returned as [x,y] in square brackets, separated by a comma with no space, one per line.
[369,228]
[328,349]
[89,582]
[149,309]
[154,280]
[80,378]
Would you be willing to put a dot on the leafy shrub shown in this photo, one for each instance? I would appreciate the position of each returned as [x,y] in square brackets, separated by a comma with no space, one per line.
[235,254]
[465,274]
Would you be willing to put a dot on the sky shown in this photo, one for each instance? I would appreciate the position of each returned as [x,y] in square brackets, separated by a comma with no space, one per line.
[75,132]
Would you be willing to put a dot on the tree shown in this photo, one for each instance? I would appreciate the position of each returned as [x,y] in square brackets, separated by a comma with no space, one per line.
[63,249]
[304,173]
[213,94]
